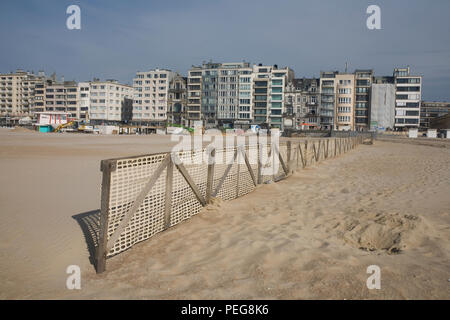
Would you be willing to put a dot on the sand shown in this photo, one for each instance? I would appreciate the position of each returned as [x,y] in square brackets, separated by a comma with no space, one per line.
[311,236]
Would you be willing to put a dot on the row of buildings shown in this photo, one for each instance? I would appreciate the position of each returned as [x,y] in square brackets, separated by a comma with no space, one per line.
[228,95]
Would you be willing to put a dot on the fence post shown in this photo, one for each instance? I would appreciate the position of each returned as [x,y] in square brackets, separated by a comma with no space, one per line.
[210,177]
[168,195]
[288,156]
[259,162]
[238,173]
[306,154]
[106,167]
[335,147]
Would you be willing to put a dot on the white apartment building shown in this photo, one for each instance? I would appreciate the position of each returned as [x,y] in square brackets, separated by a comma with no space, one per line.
[110,101]
[408,96]
[151,95]
[17,93]
[328,88]
[234,105]
[345,102]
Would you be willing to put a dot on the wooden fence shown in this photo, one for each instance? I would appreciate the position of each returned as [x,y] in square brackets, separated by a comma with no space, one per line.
[144,195]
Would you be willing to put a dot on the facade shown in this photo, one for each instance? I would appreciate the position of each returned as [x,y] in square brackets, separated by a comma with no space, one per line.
[408,96]
[328,86]
[176,113]
[57,96]
[294,112]
[362,99]
[269,92]
[151,96]
[231,107]
[17,93]
[303,98]
[111,102]
[345,102]
[194,92]
[245,103]
[382,108]
[220,94]
[432,110]
[84,100]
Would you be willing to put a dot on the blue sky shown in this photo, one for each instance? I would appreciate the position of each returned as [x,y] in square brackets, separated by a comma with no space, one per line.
[118,38]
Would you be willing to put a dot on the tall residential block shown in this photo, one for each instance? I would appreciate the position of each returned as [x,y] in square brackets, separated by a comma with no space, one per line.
[220,94]
[382,107]
[269,86]
[17,93]
[303,96]
[151,96]
[111,102]
[328,85]
[345,102]
[363,98]
[408,90]
[52,95]
[84,100]
[176,113]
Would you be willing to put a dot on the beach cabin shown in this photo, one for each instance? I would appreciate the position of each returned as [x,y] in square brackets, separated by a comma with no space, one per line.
[432,133]
[413,133]
[50,120]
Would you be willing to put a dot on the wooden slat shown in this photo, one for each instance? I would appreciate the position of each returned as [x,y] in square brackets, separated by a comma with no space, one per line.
[227,170]
[238,173]
[288,156]
[249,167]
[301,154]
[259,162]
[210,177]
[107,166]
[189,179]
[285,169]
[168,195]
[137,203]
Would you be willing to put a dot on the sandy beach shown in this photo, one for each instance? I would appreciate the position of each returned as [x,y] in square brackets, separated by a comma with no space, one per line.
[311,236]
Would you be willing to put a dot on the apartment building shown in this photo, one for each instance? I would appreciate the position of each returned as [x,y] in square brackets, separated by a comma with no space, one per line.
[17,93]
[430,110]
[151,96]
[84,100]
[220,94]
[293,105]
[345,102]
[382,106]
[303,98]
[269,89]
[110,102]
[233,106]
[328,86]
[363,98]
[52,95]
[177,102]
[195,97]
[408,90]
[244,113]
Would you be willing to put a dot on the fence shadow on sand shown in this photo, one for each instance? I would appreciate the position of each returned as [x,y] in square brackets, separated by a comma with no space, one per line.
[90,225]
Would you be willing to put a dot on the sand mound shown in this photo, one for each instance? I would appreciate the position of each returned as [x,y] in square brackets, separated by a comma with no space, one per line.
[378,232]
